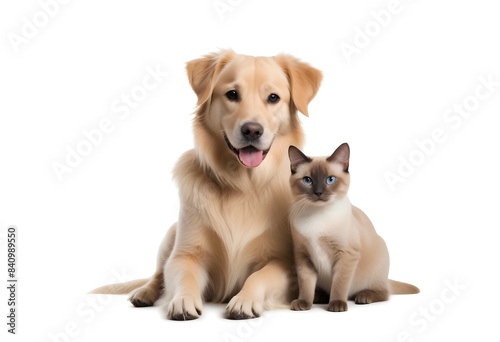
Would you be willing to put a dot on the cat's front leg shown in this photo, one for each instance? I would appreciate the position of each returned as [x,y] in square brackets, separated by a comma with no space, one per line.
[343,272]
[307,277]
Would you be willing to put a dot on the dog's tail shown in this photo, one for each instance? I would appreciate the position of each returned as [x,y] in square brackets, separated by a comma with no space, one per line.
[398,287]
[120,288]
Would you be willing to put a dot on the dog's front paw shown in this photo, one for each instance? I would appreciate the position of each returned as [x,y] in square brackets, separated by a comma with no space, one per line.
[184,308]
[243,308]
[300,305]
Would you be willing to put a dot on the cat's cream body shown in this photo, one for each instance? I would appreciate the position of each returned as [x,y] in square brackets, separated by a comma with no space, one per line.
[336,246]
[348,227]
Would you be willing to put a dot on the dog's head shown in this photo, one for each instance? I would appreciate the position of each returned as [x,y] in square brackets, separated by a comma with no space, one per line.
[247,102]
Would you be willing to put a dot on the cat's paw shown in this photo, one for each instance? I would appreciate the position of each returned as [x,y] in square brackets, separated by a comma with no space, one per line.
[371,296]
[364,297]
[337,306]
[184,308]
[300,305]
[240,307]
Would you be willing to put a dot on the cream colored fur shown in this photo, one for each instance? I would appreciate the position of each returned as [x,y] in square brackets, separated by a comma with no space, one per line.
[232,241]
[336,246]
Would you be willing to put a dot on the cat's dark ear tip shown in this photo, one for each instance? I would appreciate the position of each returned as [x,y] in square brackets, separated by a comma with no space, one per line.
[346,147]
[346,165]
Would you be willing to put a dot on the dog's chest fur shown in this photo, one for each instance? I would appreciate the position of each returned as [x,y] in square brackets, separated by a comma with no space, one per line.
[250,226]
[250,216]
[240,229]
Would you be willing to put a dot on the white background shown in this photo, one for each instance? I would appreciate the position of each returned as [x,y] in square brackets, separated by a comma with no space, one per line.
[108,215]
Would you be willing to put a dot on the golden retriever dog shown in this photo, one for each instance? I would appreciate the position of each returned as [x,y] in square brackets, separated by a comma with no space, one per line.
[232,242]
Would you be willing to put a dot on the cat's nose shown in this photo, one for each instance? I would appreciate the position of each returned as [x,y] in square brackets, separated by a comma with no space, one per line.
[318,193]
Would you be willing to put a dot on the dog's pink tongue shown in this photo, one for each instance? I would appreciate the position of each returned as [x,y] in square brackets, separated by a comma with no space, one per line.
[251,157]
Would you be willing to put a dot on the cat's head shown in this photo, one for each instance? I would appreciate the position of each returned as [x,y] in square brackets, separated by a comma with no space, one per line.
[320,179]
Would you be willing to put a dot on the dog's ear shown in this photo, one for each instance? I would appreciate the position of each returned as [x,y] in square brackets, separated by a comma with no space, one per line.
[304,81]
[202,72]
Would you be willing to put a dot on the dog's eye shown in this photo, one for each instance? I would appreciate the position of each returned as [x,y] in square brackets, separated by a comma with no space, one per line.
[273,98]
[232,95]
[307,180]
[330,180]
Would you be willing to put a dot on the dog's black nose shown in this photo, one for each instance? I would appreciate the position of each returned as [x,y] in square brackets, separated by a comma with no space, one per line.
[252,130]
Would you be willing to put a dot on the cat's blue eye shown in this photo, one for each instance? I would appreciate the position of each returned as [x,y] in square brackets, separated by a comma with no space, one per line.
[330,180]
[307,180]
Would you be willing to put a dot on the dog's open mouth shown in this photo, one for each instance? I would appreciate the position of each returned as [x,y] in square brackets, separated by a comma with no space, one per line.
[249,156]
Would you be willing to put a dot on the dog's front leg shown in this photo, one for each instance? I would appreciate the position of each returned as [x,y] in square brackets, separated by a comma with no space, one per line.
[185,279]
[267,287]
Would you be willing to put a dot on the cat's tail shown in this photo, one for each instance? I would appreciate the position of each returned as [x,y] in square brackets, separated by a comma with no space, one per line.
[398,287]
[120,288]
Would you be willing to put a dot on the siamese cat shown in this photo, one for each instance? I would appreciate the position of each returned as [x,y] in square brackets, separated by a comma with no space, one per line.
[335,244]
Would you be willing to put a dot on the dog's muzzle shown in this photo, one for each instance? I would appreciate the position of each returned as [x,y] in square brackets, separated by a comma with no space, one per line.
[249,156]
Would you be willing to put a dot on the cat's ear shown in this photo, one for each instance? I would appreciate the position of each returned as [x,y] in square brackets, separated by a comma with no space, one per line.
[341,156]
[296,158]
